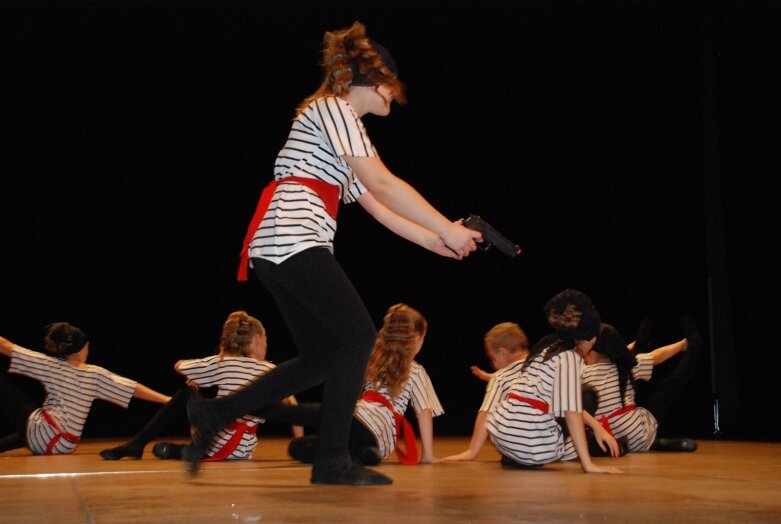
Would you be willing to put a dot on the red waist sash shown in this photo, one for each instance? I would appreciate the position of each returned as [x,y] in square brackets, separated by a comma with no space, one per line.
[239,428]
[329,193]
[533,402]
[605,419]
[70,437]
[408,455]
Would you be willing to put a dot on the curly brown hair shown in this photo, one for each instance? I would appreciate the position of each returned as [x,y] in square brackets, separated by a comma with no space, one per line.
[349,48]
[237,333]
[394,349]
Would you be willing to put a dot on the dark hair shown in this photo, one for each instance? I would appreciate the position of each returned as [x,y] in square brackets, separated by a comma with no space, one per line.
[611,344]
[62,339]
[573,317]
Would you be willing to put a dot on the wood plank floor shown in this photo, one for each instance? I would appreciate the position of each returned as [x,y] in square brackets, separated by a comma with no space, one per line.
[721,482]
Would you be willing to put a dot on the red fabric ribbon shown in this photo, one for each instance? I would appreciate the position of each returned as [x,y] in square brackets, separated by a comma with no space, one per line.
[329,193]
[70,437]
[409,455]
[533,402]
[239,430]
[605,419]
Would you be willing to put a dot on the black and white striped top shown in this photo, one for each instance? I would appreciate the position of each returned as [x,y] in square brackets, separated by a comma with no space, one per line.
[639,426]
[229,374]
[418,390]
[523,432]
[326,131]
[70,392]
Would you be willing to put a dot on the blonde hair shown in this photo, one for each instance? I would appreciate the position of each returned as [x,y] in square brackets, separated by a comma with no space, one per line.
[344,48]
[237,333]
[508,335]
[394,349]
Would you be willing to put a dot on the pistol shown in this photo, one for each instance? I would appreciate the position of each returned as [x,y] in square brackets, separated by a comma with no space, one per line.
[492,237]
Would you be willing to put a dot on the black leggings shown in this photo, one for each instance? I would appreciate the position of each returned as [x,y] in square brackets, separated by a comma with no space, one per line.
[334,335]
[15,408]
[309,415]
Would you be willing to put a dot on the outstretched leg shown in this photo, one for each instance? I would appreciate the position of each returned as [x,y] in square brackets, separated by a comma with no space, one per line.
[170,413]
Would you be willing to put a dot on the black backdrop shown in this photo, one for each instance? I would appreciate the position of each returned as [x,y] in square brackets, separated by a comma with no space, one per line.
[139,135]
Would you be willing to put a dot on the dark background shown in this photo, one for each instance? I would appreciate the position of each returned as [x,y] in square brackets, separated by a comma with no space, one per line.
[626,146]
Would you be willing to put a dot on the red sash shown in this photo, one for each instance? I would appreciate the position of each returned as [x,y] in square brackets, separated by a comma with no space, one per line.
[70,437]
[239,430]
[604,420]
[533,402]
[329,193]
[408,455]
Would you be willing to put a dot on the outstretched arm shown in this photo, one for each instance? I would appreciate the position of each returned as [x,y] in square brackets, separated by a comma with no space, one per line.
[6,347]
[665,352]
[481,374]
[426,427]
[144,393]
[479,436]
[405,201]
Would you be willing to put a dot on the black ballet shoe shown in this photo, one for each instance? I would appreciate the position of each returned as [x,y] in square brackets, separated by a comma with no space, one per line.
[125,450]
[368,456]
[643,337]
[674,444]
[303,449]
[509,463]
[167,451]
[351,475]
[203,429]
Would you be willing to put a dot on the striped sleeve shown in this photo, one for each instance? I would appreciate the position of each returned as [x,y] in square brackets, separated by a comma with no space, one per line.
[644,368]
[423,394]
[112,387]
[566,394]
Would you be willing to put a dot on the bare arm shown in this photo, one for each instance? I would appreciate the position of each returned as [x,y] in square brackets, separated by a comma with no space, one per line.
[144,393]
[481,374]
[577,432]
[603,436]
[663,353]
[479,436]
[404,200]
[404,228]
[6,347]
[426,427]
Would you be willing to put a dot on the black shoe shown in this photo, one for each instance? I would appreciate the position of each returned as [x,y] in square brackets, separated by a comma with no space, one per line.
[674,444]
[203,429]
[509,463]
[167,451]
[368,457]
[303,448]
[125,450]
[352,475]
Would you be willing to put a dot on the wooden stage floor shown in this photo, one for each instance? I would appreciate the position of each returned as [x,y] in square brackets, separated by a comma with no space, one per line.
[720,482]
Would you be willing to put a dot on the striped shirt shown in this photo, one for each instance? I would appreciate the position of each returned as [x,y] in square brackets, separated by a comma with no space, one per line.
[639,425]
[296,219]
[417,390]
[229,374]
[523,432]
[70,391]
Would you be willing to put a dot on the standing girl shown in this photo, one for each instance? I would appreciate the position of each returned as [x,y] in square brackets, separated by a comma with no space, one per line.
[71,386]
[328,158]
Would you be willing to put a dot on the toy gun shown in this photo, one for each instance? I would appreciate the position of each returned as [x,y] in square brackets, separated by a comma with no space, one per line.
[492,237]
